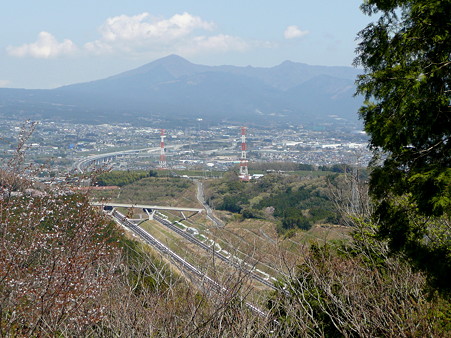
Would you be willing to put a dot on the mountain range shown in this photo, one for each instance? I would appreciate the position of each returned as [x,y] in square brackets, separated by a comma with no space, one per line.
[172,87]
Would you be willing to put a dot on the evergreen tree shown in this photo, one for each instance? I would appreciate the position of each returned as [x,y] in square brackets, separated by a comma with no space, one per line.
[407,114]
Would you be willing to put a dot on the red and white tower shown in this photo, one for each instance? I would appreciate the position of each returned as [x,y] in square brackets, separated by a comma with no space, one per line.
[244,173]
[162,163]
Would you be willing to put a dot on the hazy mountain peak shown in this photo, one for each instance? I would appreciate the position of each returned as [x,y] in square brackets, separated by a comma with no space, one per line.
[287,63]
[173,86]
[172,64]
[171,60]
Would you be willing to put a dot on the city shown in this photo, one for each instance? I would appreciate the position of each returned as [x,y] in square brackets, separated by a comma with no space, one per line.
[58,145]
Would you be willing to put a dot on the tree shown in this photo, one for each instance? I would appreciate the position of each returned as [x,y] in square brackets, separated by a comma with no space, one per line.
[407,114]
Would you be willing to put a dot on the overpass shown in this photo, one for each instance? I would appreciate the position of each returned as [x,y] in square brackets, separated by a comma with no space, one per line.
[99,159]
[144,206]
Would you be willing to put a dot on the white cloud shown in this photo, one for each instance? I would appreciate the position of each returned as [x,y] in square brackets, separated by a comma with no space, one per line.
[219,43]
[142,32]
[45,47]
[293,32]
[4,83]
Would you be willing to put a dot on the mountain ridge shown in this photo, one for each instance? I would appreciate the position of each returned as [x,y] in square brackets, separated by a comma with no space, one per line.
[173,86]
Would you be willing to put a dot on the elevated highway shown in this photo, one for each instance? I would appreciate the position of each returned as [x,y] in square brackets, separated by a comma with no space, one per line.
[83,164]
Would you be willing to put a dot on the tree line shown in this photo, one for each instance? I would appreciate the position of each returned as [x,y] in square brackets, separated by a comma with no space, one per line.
[121,178]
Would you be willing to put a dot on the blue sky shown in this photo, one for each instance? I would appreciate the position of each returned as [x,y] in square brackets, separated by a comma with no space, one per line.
[49,43]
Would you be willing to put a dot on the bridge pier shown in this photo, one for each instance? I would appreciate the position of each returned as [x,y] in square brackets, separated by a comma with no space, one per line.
[150,214]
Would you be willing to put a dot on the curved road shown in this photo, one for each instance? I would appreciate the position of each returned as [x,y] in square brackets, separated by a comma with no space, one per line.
[81,164]
[84,162]
[201,199]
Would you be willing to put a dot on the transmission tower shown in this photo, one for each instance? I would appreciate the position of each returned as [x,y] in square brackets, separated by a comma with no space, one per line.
[244,173]
[162,163]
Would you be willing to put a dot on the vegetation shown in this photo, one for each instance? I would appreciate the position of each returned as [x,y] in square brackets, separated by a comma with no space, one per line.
[406,56]
[154,190]
[282,166]
[56,263]
[295,201]
[66,270]
[121,178]
[358,290]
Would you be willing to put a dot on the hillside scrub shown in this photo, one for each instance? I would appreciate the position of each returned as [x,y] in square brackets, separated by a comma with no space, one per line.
[359,289]
[58,258]
[66,270]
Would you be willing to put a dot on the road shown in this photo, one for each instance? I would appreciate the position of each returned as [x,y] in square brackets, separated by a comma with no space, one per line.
[85,162]
[201,199]
[81,164]
[182,263]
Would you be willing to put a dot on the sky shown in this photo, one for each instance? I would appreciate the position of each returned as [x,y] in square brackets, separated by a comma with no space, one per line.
[49,43]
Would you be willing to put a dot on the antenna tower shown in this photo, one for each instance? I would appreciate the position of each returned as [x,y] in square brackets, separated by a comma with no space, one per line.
[244,173]
[162,163]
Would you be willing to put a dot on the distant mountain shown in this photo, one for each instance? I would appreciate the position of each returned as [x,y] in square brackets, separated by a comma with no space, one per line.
[173,87]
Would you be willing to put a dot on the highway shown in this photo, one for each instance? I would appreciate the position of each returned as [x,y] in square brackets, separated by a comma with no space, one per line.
[85,162]
[82,164]
[234,263]
[211,250]
[183,264]
[231,260]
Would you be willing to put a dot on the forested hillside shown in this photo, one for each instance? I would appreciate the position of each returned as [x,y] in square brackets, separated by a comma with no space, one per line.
[296,202]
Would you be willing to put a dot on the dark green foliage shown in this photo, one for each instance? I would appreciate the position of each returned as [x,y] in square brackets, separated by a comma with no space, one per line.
[231,203]
[152,173]
[336,168]
[282,166]
[292,218]
[300,208]
[406,57]
[121,178]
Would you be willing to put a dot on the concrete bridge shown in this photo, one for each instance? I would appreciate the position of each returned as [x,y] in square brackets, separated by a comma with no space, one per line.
[149,209]
[102,159]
